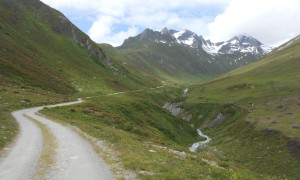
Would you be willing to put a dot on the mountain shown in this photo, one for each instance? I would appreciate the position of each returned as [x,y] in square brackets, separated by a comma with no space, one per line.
[251,113]
[237,44]
[266,94]
[45,59]
[240,44]
[40,47]
[184,53]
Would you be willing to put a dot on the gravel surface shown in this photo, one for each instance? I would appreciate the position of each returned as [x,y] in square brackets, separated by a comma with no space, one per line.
[22,159]
[74,158]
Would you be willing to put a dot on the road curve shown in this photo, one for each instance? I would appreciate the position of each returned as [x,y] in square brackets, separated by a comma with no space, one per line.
[21,161]
[74,158]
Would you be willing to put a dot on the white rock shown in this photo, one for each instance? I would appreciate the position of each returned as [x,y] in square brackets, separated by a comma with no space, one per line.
[182,154]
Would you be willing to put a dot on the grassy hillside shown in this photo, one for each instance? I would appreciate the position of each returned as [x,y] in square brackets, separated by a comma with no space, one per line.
[147,138]
[14,97]
[44,58]
[178,62]
[41,48]
[158,59]
[264,136]
[269,89]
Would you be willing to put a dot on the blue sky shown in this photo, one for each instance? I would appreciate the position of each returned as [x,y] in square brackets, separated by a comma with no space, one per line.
[83,21]
[111,21]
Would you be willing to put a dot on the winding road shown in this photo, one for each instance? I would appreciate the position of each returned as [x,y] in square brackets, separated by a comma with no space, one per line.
[74,158]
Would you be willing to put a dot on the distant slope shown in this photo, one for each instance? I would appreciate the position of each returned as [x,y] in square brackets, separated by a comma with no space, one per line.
[162,60]
[40,47]
[265,136]
[45,59]
[272,83]
[185,55]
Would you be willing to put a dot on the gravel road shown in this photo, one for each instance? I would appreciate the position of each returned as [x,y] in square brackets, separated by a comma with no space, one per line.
[74,157]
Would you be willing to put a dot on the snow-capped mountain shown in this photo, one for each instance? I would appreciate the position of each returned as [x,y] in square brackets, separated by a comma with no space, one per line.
[170,51]
[237,44]
[240,43]
[189,38]
[185,37]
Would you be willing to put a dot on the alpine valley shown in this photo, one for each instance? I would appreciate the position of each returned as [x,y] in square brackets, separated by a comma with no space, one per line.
[183,54]
[164,105]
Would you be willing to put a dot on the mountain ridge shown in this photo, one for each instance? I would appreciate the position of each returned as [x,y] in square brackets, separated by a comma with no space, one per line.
[268,91]
[239,43]
[42,63]
[40,47]
[168,52]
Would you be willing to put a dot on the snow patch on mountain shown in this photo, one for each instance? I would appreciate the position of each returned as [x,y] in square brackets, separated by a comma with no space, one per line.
[211,49]
[240,43]
[188,42]
[178,34]
[239,59]
[266,48]
[185,37]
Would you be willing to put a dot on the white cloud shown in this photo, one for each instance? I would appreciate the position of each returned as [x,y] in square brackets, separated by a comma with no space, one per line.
[119,37]
[271,21]
[101,31]
[134,15]
[101,27]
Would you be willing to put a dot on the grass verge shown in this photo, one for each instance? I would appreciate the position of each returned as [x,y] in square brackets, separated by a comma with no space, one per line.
[144,137]
[47,158]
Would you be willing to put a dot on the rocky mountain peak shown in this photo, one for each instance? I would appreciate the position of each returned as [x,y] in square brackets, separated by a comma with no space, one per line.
[208,42]
[165,30]
[241,43]
[238,44]
[189,38]
[168,31]
[150,35]
[245,40]
[147,34]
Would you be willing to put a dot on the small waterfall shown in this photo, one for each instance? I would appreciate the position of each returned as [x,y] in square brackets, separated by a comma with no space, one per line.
[196,145]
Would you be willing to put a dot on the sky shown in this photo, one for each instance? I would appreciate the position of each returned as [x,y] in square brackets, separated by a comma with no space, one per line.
[272,22]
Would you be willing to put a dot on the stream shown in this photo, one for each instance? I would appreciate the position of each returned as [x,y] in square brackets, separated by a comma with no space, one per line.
[196,145]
